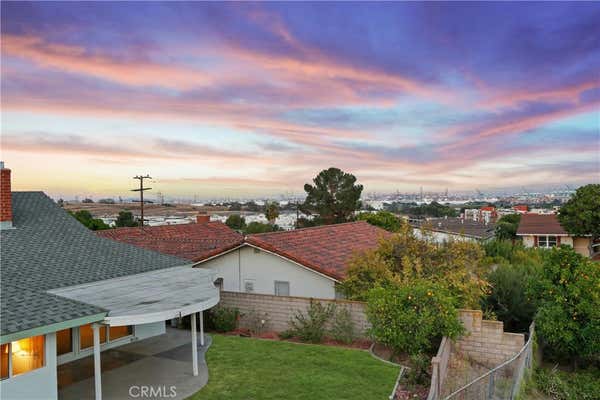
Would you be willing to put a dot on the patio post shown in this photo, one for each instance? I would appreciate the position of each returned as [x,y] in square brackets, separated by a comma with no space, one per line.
[194,346]
[201,328]
[97,368]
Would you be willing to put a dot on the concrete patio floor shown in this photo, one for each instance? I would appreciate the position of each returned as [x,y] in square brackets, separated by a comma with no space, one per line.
[163,363]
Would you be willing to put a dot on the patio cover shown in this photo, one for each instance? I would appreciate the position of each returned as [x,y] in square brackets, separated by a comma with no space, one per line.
[149,296]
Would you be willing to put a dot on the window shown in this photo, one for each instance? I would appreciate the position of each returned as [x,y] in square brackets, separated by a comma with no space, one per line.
[282,288]
[4,361]
[64,342]
[27,354]
[117,332]
[249,286]
[547,241]
[86,336]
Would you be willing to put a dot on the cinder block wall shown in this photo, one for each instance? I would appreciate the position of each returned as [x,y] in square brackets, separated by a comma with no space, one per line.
[280,309]
[485,341]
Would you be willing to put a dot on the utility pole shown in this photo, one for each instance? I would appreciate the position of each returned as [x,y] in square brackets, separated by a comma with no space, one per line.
[141,190]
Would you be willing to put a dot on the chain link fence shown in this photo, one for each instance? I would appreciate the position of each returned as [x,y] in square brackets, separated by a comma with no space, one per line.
[504,381]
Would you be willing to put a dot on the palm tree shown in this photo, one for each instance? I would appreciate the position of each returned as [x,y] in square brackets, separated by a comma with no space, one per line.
[271,212]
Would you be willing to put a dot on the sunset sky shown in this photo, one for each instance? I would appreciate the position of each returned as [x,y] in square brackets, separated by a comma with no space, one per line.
[241,100]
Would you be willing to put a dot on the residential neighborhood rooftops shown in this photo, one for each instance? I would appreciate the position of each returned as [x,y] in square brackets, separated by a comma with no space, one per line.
[46,249]
[325,249]
[195,241]
[457,226]
[540,224]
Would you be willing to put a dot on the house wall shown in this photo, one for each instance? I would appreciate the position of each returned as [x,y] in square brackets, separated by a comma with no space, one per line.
[263,269]
[140,332]
[36,384]
[580,244]
[277,311]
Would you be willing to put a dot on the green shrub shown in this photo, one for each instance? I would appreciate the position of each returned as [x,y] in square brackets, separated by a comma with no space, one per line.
[567,292]
[418,374]
[224,319]
[508,299]
[310,327]
[288,334]
[257,322]
[413,318]
[342,327]
[560,385]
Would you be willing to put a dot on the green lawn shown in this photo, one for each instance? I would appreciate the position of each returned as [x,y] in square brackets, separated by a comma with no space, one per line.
[252,369]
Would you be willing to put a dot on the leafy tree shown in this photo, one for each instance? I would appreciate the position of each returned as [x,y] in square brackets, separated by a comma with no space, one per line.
[382,219]
[271,212]
[457,265]
[413,318]
[87,200]
[304,222]
[508,298]
[567,290]
[259,227]
[335,196]
[236,222]
[506,228]
[86,218]
[235,206]
[125,219]
[252,206]
[106,201]
[581,214]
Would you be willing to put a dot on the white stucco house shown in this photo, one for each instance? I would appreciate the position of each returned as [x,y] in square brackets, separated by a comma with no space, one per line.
[545,231]
[305,262]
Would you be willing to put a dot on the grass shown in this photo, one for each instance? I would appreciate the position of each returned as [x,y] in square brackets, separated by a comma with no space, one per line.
[253,369]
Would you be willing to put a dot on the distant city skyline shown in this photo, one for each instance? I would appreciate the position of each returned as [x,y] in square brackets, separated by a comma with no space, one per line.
[243,100]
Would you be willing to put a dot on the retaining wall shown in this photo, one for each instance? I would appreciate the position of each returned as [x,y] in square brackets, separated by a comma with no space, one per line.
[485,341]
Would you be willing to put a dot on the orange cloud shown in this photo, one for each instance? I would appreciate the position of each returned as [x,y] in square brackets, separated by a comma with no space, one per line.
[78,60]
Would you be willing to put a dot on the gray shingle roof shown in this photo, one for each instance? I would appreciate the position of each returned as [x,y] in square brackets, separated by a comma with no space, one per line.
[49,249]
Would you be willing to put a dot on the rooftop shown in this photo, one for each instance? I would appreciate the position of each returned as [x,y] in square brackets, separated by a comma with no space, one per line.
[325,249]
[194,242]
[49,249]
[457,226]
[540,224]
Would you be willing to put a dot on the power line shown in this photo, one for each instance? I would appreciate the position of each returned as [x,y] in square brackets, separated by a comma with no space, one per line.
[141,190]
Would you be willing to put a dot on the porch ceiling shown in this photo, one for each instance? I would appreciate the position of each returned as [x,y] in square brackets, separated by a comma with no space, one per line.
[150,296]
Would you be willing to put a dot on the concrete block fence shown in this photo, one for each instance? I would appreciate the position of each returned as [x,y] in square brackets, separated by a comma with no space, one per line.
[278,310]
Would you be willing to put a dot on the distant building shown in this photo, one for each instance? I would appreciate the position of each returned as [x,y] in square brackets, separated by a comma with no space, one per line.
[485,214]
[545,231]
[446,229]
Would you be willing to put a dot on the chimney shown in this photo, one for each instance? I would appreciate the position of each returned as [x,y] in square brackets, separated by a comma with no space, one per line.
[202,218]
[5,198]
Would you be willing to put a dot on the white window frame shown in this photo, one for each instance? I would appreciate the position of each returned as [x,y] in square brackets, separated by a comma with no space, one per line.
[281,282]
[10,362]
[546,241]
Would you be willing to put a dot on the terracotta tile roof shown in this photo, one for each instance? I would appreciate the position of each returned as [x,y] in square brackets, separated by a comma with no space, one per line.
[543,224]
[325,249]
[194,242]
